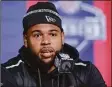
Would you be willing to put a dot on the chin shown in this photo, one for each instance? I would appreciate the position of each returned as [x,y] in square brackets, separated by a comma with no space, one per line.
[47,61]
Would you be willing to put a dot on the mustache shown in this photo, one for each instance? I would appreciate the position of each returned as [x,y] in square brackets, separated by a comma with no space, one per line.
[47,49]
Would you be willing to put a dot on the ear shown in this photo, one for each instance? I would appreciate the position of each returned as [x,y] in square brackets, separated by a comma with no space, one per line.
[63,38]
[25,41]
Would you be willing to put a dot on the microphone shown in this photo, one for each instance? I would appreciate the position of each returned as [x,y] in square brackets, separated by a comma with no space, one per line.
[64,63]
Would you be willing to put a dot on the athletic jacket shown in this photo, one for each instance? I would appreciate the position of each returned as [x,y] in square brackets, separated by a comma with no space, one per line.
[84,73]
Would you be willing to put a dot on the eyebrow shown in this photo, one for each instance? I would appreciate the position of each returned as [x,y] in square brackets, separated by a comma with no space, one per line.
[54,30]
[35,31]
[48,31]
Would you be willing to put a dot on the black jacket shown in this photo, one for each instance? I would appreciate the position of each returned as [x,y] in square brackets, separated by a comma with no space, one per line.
[84,73]
[7,79]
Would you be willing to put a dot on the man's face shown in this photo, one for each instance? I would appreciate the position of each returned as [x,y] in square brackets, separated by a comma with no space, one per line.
[44,40]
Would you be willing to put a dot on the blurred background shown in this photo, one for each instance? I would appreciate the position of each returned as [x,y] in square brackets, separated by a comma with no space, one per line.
[87,26]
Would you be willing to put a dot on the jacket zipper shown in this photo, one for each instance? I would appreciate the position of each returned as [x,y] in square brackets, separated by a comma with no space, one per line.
[40,81]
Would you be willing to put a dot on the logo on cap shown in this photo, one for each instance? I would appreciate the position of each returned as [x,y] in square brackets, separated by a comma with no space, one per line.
[50,19]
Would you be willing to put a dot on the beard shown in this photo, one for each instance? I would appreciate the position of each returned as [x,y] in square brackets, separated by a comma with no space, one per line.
[36,62]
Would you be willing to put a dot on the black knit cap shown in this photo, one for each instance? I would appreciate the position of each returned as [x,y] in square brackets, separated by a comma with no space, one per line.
[41,13]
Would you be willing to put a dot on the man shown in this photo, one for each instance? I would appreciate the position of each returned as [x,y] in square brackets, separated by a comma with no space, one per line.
[45,60]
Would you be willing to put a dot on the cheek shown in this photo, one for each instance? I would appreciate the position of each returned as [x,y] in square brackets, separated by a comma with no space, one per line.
[57,44]
[34,45]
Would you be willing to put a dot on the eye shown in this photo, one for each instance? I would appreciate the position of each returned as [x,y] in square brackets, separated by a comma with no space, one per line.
[53,34]
[37,35]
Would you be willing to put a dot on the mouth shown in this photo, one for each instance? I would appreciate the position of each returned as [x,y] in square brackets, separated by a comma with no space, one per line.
[47,50]
[47,54]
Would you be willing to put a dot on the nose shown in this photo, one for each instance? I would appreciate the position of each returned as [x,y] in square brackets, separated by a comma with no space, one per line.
[45,40]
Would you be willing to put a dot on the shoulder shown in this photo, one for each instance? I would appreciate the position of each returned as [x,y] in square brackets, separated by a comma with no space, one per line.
[13,64]
[83,64]
[86,67]
[90,69]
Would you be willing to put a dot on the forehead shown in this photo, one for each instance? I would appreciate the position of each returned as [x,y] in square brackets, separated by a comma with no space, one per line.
[44,28]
